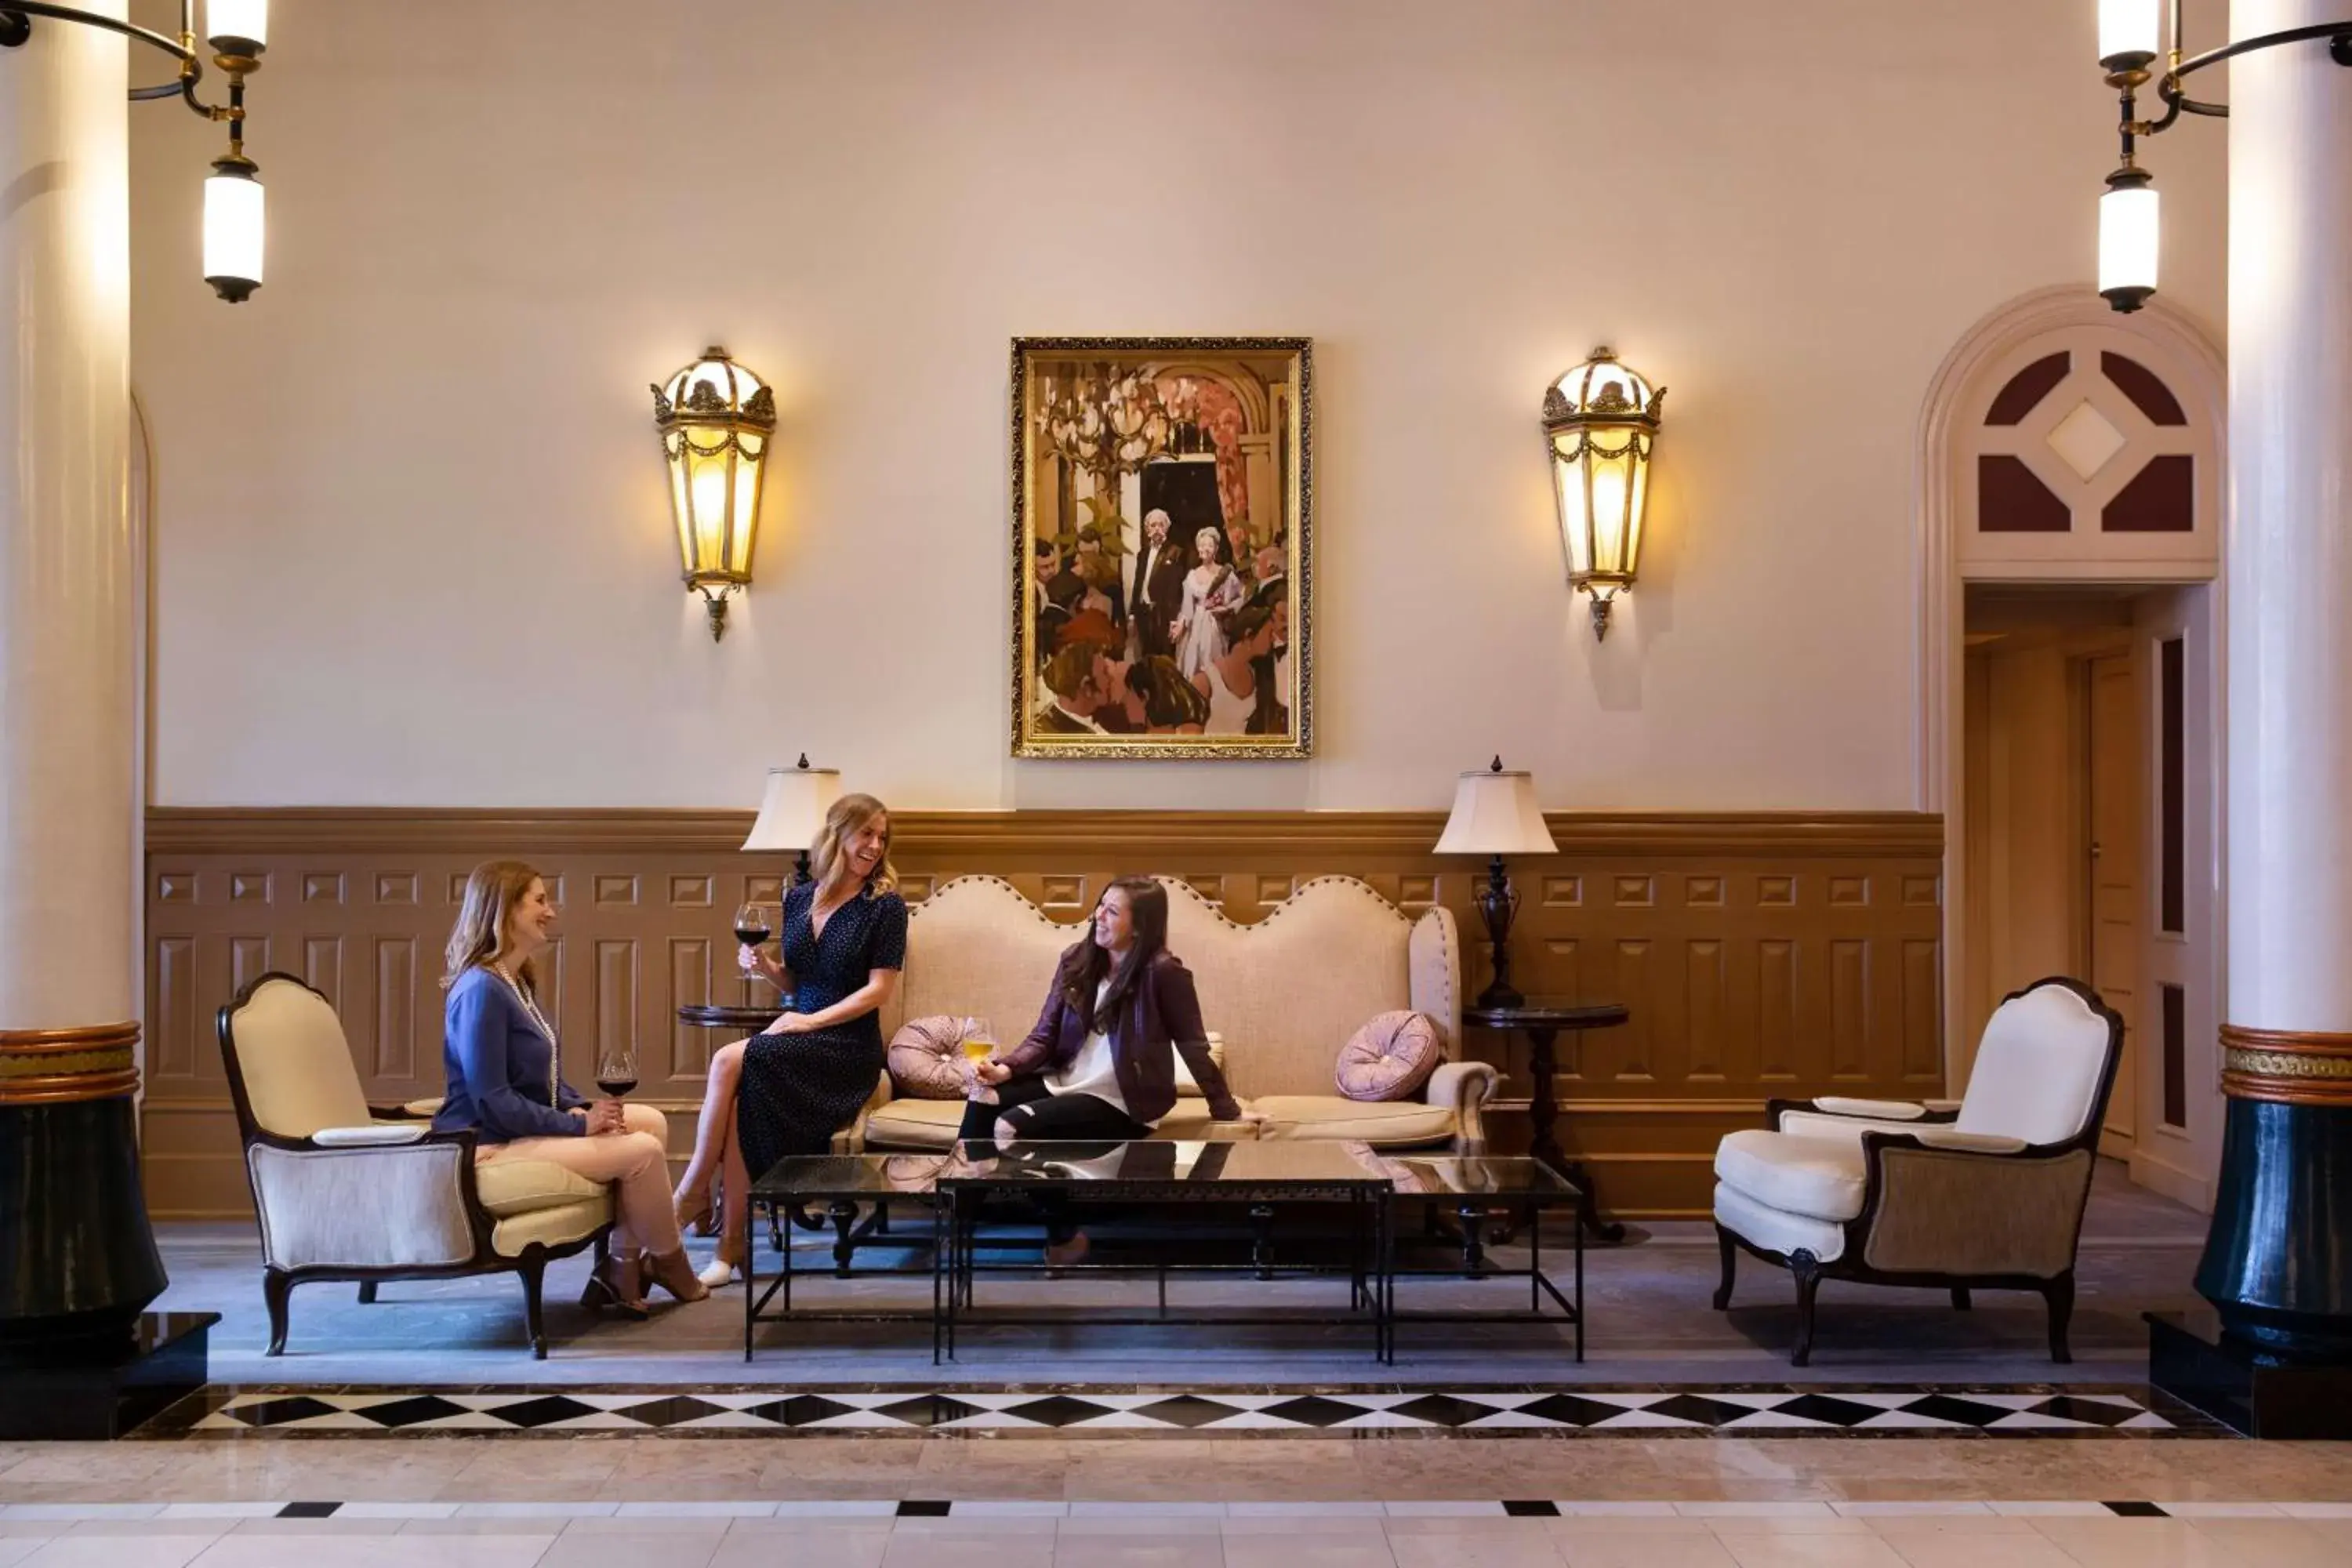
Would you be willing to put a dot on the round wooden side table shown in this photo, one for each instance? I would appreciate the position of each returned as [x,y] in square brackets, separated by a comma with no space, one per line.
[1543,1019]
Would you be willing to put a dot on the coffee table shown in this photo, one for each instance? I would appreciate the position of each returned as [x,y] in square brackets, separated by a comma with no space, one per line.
[1265,1178]
[1471,1187]
[842,1183]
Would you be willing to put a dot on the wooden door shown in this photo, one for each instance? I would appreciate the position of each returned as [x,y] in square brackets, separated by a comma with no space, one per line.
[2112,872]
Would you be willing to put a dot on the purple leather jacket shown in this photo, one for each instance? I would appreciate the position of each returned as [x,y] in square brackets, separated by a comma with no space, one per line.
[1161,1018]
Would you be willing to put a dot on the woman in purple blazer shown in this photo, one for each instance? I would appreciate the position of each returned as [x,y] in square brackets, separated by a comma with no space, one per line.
[1101,1062]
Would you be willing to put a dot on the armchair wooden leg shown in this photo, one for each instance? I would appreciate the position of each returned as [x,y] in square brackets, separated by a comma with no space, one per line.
[532,1267]
[276,1290]
[367,1292]
[1730,1250]
[1807,1268]
[2060,1294]
[1960,1303]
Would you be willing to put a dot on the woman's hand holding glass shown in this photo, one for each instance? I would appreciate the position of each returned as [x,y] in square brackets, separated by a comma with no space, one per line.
[753,961]
[978,1042]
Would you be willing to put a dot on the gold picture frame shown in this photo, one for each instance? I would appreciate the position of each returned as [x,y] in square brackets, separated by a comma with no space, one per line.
[1163,561]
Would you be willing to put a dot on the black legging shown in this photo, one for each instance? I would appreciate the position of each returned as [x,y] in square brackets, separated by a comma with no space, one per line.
[1038,1113]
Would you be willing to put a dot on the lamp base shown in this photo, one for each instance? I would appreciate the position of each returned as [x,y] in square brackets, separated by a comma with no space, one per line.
[1499,994]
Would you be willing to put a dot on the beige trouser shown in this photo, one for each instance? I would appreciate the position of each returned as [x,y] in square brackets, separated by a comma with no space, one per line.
[637,1163]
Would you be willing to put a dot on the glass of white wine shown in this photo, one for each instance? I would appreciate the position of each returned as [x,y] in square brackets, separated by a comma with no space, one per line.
[978,1043]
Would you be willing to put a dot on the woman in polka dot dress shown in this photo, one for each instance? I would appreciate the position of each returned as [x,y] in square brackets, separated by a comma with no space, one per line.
[792,1088]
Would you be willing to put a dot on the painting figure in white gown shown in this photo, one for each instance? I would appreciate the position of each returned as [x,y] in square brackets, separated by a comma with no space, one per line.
[1211,588]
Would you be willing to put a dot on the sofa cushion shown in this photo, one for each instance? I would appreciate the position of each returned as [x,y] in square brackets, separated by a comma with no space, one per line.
[1389,1058]
[1384,1125]
[520,1186]
[927,1057]
[933,1123]
[1777,1230]
[1821,1177]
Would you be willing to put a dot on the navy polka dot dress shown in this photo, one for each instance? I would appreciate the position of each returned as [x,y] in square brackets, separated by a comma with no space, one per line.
[798,1090]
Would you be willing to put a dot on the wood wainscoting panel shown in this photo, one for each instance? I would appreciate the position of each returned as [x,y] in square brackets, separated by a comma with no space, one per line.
[1761,954]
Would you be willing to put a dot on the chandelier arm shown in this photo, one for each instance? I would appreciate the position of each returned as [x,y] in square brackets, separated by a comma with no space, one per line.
[171,47]
[2176,102]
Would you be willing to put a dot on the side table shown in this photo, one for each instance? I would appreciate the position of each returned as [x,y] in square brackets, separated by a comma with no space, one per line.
[1542,1019]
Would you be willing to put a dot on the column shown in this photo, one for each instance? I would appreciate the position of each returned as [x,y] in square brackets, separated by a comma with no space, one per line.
[2278,1263]
[76,1258]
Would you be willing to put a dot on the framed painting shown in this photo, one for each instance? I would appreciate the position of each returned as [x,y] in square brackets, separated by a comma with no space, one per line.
[1163,561]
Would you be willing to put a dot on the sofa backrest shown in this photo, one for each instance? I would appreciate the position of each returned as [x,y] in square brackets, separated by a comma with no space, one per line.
[1285,993]
[292,1059]
[977,948]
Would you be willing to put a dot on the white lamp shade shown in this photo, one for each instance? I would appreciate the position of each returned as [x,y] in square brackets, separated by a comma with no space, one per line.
[237,21]
[233,229]
[1496,813]
[792,809]
[2127,239]
[2128,30]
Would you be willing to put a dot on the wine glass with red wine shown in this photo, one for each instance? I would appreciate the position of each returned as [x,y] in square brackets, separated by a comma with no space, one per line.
[751,929]
[617,1072]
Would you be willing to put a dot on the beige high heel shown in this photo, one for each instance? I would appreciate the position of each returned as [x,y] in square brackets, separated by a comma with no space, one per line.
[674,1273]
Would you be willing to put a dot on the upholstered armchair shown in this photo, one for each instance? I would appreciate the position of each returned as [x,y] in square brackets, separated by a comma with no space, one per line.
[1988,1196]
[348,1191]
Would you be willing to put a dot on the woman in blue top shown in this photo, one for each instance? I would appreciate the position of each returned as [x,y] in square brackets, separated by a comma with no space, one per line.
[499,1052]
[790,1089]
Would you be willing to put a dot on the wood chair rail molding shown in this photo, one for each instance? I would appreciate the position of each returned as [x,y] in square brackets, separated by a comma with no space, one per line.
[1761,954]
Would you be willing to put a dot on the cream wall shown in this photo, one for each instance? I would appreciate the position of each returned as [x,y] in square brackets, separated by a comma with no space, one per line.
[411,542]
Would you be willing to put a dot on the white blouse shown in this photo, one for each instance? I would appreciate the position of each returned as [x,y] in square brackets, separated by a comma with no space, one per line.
[1093,1070]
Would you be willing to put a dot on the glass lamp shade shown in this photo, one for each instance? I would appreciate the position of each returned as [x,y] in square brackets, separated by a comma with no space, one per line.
[1601,420]
[232,228]
[237,26]
[715,418]
[2128,235]
[792,808]
[2129,32]
[1495,813]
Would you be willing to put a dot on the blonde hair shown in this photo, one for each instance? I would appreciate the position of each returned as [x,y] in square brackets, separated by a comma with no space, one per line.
[492,891]
[847,817]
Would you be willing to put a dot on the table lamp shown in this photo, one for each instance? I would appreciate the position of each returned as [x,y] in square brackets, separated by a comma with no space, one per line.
[1495,813]
[793,811]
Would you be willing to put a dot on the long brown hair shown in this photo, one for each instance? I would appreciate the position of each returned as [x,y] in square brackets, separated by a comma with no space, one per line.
[844,821]
[1084,966]
[492,891]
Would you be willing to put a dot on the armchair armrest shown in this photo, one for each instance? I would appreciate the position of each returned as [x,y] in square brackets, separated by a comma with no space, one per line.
[376,1136]
[406,1204]
[423,1109]
[1464,1087]
[1835,1115]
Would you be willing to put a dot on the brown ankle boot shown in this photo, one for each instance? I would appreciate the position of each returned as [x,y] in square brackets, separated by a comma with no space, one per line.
[675,1274]
[615,1285]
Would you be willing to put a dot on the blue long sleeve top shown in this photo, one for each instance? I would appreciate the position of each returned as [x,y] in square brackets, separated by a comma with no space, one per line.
[503,1082]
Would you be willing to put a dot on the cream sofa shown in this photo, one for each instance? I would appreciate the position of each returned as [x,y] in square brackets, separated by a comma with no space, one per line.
[1279,998]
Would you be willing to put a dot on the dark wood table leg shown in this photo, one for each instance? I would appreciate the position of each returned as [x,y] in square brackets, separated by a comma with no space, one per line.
[1545,1146]
[843,1215]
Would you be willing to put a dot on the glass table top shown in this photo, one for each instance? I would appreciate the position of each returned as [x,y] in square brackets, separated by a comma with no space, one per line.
[1161,1163]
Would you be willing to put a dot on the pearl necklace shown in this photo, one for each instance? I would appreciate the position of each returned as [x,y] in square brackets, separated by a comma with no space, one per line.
[538,1021]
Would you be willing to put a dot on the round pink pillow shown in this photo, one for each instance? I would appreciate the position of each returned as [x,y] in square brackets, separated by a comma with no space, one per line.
[926,1058]
[1389,1058]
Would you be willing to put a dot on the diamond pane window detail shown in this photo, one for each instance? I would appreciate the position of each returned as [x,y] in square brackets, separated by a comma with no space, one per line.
[2085,439]
[2139,384]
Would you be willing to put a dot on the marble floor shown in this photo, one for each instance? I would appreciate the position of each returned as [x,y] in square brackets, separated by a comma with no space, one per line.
[1649,1323]
[1624,1503]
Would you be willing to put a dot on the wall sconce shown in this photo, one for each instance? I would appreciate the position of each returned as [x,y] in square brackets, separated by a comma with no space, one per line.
[2129,42]
[715,418]
[233,195]
[1600,421]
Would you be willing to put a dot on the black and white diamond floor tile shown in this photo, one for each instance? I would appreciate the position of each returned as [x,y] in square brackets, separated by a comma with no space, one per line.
[1787,1411]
